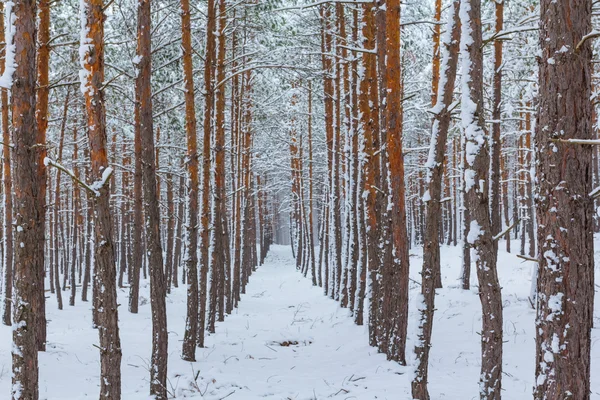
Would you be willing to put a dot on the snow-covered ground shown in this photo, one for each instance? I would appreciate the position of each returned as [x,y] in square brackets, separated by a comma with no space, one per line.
[328,357]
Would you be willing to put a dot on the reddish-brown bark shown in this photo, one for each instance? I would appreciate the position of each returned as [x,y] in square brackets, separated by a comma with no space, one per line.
[41,114]
[143,87]
[209,76]
[191,327]
[104,261]
[26,186]
[565,286]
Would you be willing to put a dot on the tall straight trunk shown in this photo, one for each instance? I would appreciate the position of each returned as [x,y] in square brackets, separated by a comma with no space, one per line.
[447,202]
[564,208]
[170,233]
[7,185]
[465,276]
[395,300]
[261,217]
[57,206]
[455,191]
[435,83]
[496,144]
[336,153]
[480,234]
[219,214]
[179,233]
[362,264]
[296,217]
[77,221]
[209,76]
[41,114]
[237,181]
[246,193]
[505,206]
[353,165]
[191,323]
[87,273]
[388,264]
[137,244]
[143,88]
[125,242]
[431,245]
[515,197]
[26,185]
[310,227]
[231,234]
[369,109]
[322,241]
[328,92]
[528,190]
[523,176]
[157,159]
[92,78]
[437,36]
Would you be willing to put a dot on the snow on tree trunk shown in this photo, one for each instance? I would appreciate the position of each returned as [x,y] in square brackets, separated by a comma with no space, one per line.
[476,175]
[92,80]
[435,161]
[27,263]
[143,87]
[564,208]
[191,243]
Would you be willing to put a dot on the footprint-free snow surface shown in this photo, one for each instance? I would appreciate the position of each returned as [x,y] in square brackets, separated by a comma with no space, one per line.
[288,341]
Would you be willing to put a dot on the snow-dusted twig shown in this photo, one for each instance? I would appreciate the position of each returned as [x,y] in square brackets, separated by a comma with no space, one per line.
[505,231]
[591,142]
[527,258]
[93,188]
[506,32]
[358,49]
[591,35]
[319,3]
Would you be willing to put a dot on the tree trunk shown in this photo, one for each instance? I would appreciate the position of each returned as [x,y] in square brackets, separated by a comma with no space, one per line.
[57,206]
[496,144]
[77,221]
[41,111]
[431,245]
[395,299]
[191,325]
[564,207]
[170,233]
[92,76]
[209,74]
[179,234]
[143,88]
[369,109]
[125,242]
[480,234]
[26,186]
[138,216]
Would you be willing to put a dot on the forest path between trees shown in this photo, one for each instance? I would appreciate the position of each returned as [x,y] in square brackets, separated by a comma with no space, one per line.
[288,341]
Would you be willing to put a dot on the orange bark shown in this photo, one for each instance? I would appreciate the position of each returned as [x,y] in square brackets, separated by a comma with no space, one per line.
[105,268]
[191,333]
[41,113]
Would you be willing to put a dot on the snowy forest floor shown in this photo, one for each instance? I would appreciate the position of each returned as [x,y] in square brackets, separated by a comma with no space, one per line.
[328,356]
